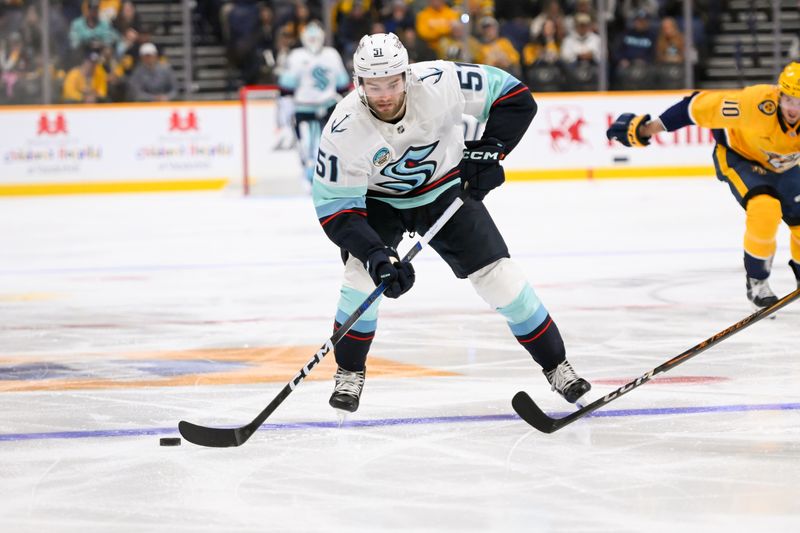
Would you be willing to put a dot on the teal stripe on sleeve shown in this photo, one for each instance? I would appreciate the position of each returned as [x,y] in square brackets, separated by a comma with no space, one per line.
[329,199]
[500,82]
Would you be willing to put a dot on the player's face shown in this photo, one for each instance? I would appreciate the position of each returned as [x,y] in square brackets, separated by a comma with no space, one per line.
[790,108]
[385,95]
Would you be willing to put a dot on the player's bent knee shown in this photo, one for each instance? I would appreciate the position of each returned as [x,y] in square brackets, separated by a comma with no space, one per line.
[763,219]
[765,210]
[357,277]
[499,283]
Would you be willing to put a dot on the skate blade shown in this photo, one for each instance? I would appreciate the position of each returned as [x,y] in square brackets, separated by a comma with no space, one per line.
[341,416]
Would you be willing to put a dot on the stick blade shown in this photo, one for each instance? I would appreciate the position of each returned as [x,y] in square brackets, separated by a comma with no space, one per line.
[212,437]
[530,413]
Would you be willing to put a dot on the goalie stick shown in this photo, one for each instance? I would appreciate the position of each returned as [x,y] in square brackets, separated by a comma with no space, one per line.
[527,409]
[225,437]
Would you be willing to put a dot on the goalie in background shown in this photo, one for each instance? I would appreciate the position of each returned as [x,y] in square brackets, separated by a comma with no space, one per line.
[392,159]
[757,150]
[315,78]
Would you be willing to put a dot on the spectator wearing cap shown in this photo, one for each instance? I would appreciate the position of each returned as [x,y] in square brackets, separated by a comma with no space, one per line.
[632,8]
[152,81]
[582,7]
[89,27]
[458,45]
[582,44]
[495,50]
[637,44]
[86,83]
[635,55]
[435,22]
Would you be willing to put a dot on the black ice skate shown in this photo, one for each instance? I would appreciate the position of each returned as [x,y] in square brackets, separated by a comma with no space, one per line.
[566,382]
[759,293]
[347,390]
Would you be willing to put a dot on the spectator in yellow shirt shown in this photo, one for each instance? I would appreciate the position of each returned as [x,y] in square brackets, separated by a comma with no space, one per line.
[495,50]
[434,22]
[86,83]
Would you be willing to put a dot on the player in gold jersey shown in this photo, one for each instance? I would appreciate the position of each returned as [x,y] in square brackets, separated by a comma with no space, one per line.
[757,150]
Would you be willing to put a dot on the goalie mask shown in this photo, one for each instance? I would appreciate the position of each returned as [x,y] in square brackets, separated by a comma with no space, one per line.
[313,37]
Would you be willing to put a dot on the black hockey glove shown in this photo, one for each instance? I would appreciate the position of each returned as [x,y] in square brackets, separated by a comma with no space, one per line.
[480,167]
[384,265]
[626,130]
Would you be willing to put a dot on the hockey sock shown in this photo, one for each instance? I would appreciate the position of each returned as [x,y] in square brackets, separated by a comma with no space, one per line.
[545,344]
[794,247]
[351,351]
[534,329]
[761,225]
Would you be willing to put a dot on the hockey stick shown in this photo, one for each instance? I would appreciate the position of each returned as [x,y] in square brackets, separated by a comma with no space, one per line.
[527,409]
[225,437]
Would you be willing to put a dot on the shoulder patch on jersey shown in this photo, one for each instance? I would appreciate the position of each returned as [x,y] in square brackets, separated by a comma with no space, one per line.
[381,157]
[767,107]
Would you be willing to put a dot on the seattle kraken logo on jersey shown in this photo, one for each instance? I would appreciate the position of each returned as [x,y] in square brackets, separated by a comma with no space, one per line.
[411,170]
[321,78]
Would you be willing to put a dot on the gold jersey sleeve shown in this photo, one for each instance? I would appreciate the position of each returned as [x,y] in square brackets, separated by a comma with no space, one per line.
[751,120]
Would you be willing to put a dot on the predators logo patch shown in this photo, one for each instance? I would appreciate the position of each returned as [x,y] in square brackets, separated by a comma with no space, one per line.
[767,107]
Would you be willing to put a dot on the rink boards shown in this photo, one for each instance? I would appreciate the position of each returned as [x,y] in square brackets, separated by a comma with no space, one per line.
[200,145]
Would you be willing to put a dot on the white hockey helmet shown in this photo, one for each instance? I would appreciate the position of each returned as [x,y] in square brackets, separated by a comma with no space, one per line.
[379,55]
[313,37]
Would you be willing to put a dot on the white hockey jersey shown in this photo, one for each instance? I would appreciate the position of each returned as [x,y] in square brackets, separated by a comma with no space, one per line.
[409,163]
[314,79]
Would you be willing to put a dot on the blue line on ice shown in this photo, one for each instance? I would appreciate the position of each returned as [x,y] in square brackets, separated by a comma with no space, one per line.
[84,434]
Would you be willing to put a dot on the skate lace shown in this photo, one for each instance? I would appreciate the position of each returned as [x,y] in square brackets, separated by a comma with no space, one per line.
[349,383]
[562,377]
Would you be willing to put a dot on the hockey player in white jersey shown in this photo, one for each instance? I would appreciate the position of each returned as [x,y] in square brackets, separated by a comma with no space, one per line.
[315,78]
[392,158]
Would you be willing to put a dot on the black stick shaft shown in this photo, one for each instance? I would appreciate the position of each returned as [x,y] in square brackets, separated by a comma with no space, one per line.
[225,437]
[527,409]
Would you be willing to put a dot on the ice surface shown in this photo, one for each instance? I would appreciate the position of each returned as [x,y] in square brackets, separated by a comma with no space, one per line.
[122,315]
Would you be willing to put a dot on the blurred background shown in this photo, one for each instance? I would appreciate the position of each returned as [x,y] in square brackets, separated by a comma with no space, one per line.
[209,49]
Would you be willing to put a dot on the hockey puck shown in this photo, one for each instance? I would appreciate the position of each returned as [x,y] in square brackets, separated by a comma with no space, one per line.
[170,441]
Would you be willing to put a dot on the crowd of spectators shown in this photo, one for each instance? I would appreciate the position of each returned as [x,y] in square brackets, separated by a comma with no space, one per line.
[551,44]
[99,52]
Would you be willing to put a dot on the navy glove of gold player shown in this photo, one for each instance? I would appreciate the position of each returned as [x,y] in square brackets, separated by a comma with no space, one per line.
[383,265]
[480,167]
[626,130]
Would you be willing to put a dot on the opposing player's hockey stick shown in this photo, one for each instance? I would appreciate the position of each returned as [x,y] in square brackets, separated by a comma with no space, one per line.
[527,409]
[225,437]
